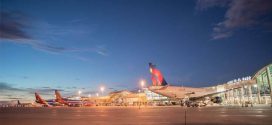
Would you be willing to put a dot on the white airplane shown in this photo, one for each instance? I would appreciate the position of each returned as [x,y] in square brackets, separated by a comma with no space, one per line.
[160,86]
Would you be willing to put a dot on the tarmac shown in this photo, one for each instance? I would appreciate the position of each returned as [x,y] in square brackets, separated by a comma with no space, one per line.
[158,115]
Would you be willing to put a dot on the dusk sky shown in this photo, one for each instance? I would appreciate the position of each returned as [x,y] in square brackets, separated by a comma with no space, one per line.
[75,45]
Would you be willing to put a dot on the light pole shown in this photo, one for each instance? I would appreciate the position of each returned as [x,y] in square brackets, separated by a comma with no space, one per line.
[142,82]
[139,98]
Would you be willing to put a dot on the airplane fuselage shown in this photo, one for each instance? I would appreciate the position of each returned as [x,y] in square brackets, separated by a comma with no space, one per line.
[181,92]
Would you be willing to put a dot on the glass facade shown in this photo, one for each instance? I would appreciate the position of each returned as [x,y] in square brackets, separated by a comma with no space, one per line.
[257,91]
[254,90]
[263,79]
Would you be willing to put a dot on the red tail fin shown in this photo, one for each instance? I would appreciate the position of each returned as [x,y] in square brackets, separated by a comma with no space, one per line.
[39,99]
[59,98]
[156,76]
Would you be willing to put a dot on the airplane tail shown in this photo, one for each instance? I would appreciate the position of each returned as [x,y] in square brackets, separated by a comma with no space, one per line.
[38,98]
[59,98]
[18,102]
[156,76]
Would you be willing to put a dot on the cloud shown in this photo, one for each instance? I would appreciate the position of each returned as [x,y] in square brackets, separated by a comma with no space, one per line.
[219,32]
[101,50]
[89,92]
[25,77]
[14,98]
[9,87]
[43,90]
[205,4]
[46,87]
[240,14]
[12,25]
[42,46]
[9,92]
[15,27]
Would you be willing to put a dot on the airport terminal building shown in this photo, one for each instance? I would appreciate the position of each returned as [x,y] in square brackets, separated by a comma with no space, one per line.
[257,89]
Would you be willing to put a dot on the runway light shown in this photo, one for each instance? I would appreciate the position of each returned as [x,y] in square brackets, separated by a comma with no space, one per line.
[89,95]
[97,94]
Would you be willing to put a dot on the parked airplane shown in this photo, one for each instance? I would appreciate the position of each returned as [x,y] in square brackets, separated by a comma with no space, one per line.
[59,101]
[75,102]
[160,86]
[45,103]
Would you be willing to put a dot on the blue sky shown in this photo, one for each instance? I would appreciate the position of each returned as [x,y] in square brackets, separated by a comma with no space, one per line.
[71,45]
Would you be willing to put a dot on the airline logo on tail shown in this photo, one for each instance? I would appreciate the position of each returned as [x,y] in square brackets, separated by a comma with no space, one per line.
[59,99]
[40,100]
[156,76]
